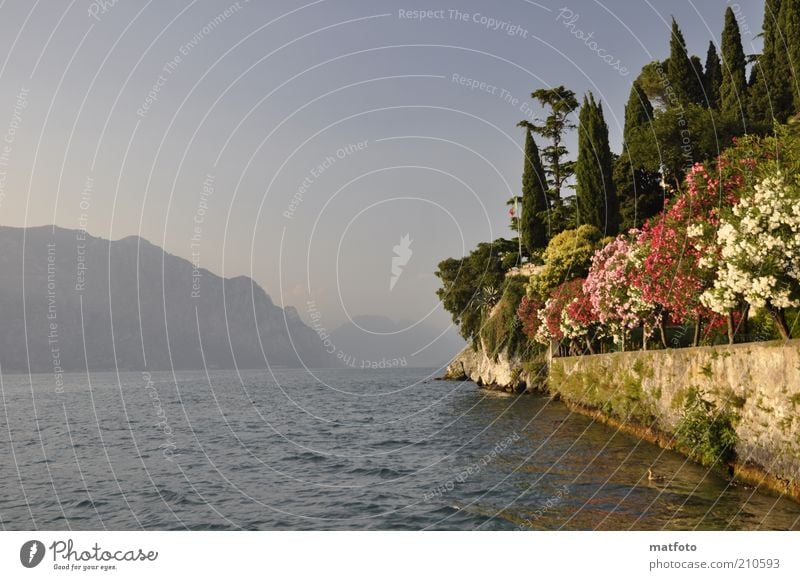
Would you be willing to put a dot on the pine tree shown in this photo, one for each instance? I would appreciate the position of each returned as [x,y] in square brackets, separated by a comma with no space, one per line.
[713,77]
[680,70]
[638,191]
[562,103]
[790,27]
[594,185]
[733,89]
[770,95]
[533,228]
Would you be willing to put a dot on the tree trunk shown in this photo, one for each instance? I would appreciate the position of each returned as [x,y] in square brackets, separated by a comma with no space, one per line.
[779,316]
[698,328]
[623,340]
[746,322]
[677,187]
[662,333]
[589,344]
[644,336]
[731,329]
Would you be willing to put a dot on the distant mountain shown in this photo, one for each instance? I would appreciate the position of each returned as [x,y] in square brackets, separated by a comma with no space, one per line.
[380,338]
[134,307]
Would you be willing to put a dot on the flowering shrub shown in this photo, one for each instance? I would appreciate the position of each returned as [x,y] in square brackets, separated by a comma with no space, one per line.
[579,317]
[528,313]
[551,315]
[679,253]
[759,244]
[730,237]
[616,300]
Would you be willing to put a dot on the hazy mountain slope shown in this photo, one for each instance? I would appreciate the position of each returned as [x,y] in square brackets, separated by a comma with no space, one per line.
[145,295]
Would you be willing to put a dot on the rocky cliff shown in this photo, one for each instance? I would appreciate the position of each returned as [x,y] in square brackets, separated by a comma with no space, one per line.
[503,373]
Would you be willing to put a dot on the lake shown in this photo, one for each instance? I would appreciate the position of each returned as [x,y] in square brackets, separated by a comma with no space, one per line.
[337,449]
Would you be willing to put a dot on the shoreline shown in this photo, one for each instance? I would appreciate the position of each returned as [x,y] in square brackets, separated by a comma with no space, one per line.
[646,394]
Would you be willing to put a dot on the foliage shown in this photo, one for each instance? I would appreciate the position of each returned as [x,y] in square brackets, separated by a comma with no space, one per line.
[733,89]
[699,81]
[561,102]
[502,329]
[638,111]
[770,95]
[510,259]
[594,187]
[465,283]
[568,256]
[638,190]
[774,95]
[653,82]
[614,386]
[713,76]
[686,81]
[534,229]
[761,324]
[789,22]
[528,313]
[639,193]
[708,434]
[677,138]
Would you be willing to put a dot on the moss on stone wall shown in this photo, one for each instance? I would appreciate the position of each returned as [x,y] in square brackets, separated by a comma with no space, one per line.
[610,387]
[731,406]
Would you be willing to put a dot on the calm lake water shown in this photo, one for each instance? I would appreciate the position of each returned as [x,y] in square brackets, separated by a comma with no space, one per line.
[383,449]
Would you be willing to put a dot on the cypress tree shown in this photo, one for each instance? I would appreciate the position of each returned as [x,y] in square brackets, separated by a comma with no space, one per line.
[790,27]
[596,196]
[770,95]
[638,191]
[698,93]
[759,95]
[532,227]
[713,77]
[681,73]
[733,90]
[638,110]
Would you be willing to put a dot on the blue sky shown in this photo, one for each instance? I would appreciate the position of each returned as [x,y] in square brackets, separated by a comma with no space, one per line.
[296,142]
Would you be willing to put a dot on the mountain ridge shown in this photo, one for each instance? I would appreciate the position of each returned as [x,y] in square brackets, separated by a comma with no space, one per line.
[137,307]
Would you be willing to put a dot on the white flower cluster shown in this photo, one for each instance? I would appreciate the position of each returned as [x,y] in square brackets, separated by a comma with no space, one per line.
[694,231]
[760,250]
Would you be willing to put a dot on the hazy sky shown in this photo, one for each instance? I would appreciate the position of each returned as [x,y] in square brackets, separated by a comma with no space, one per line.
[297,143]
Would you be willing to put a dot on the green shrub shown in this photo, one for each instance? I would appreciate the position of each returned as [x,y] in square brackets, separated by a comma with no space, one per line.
[503,329]
[568,256]
[708,434]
